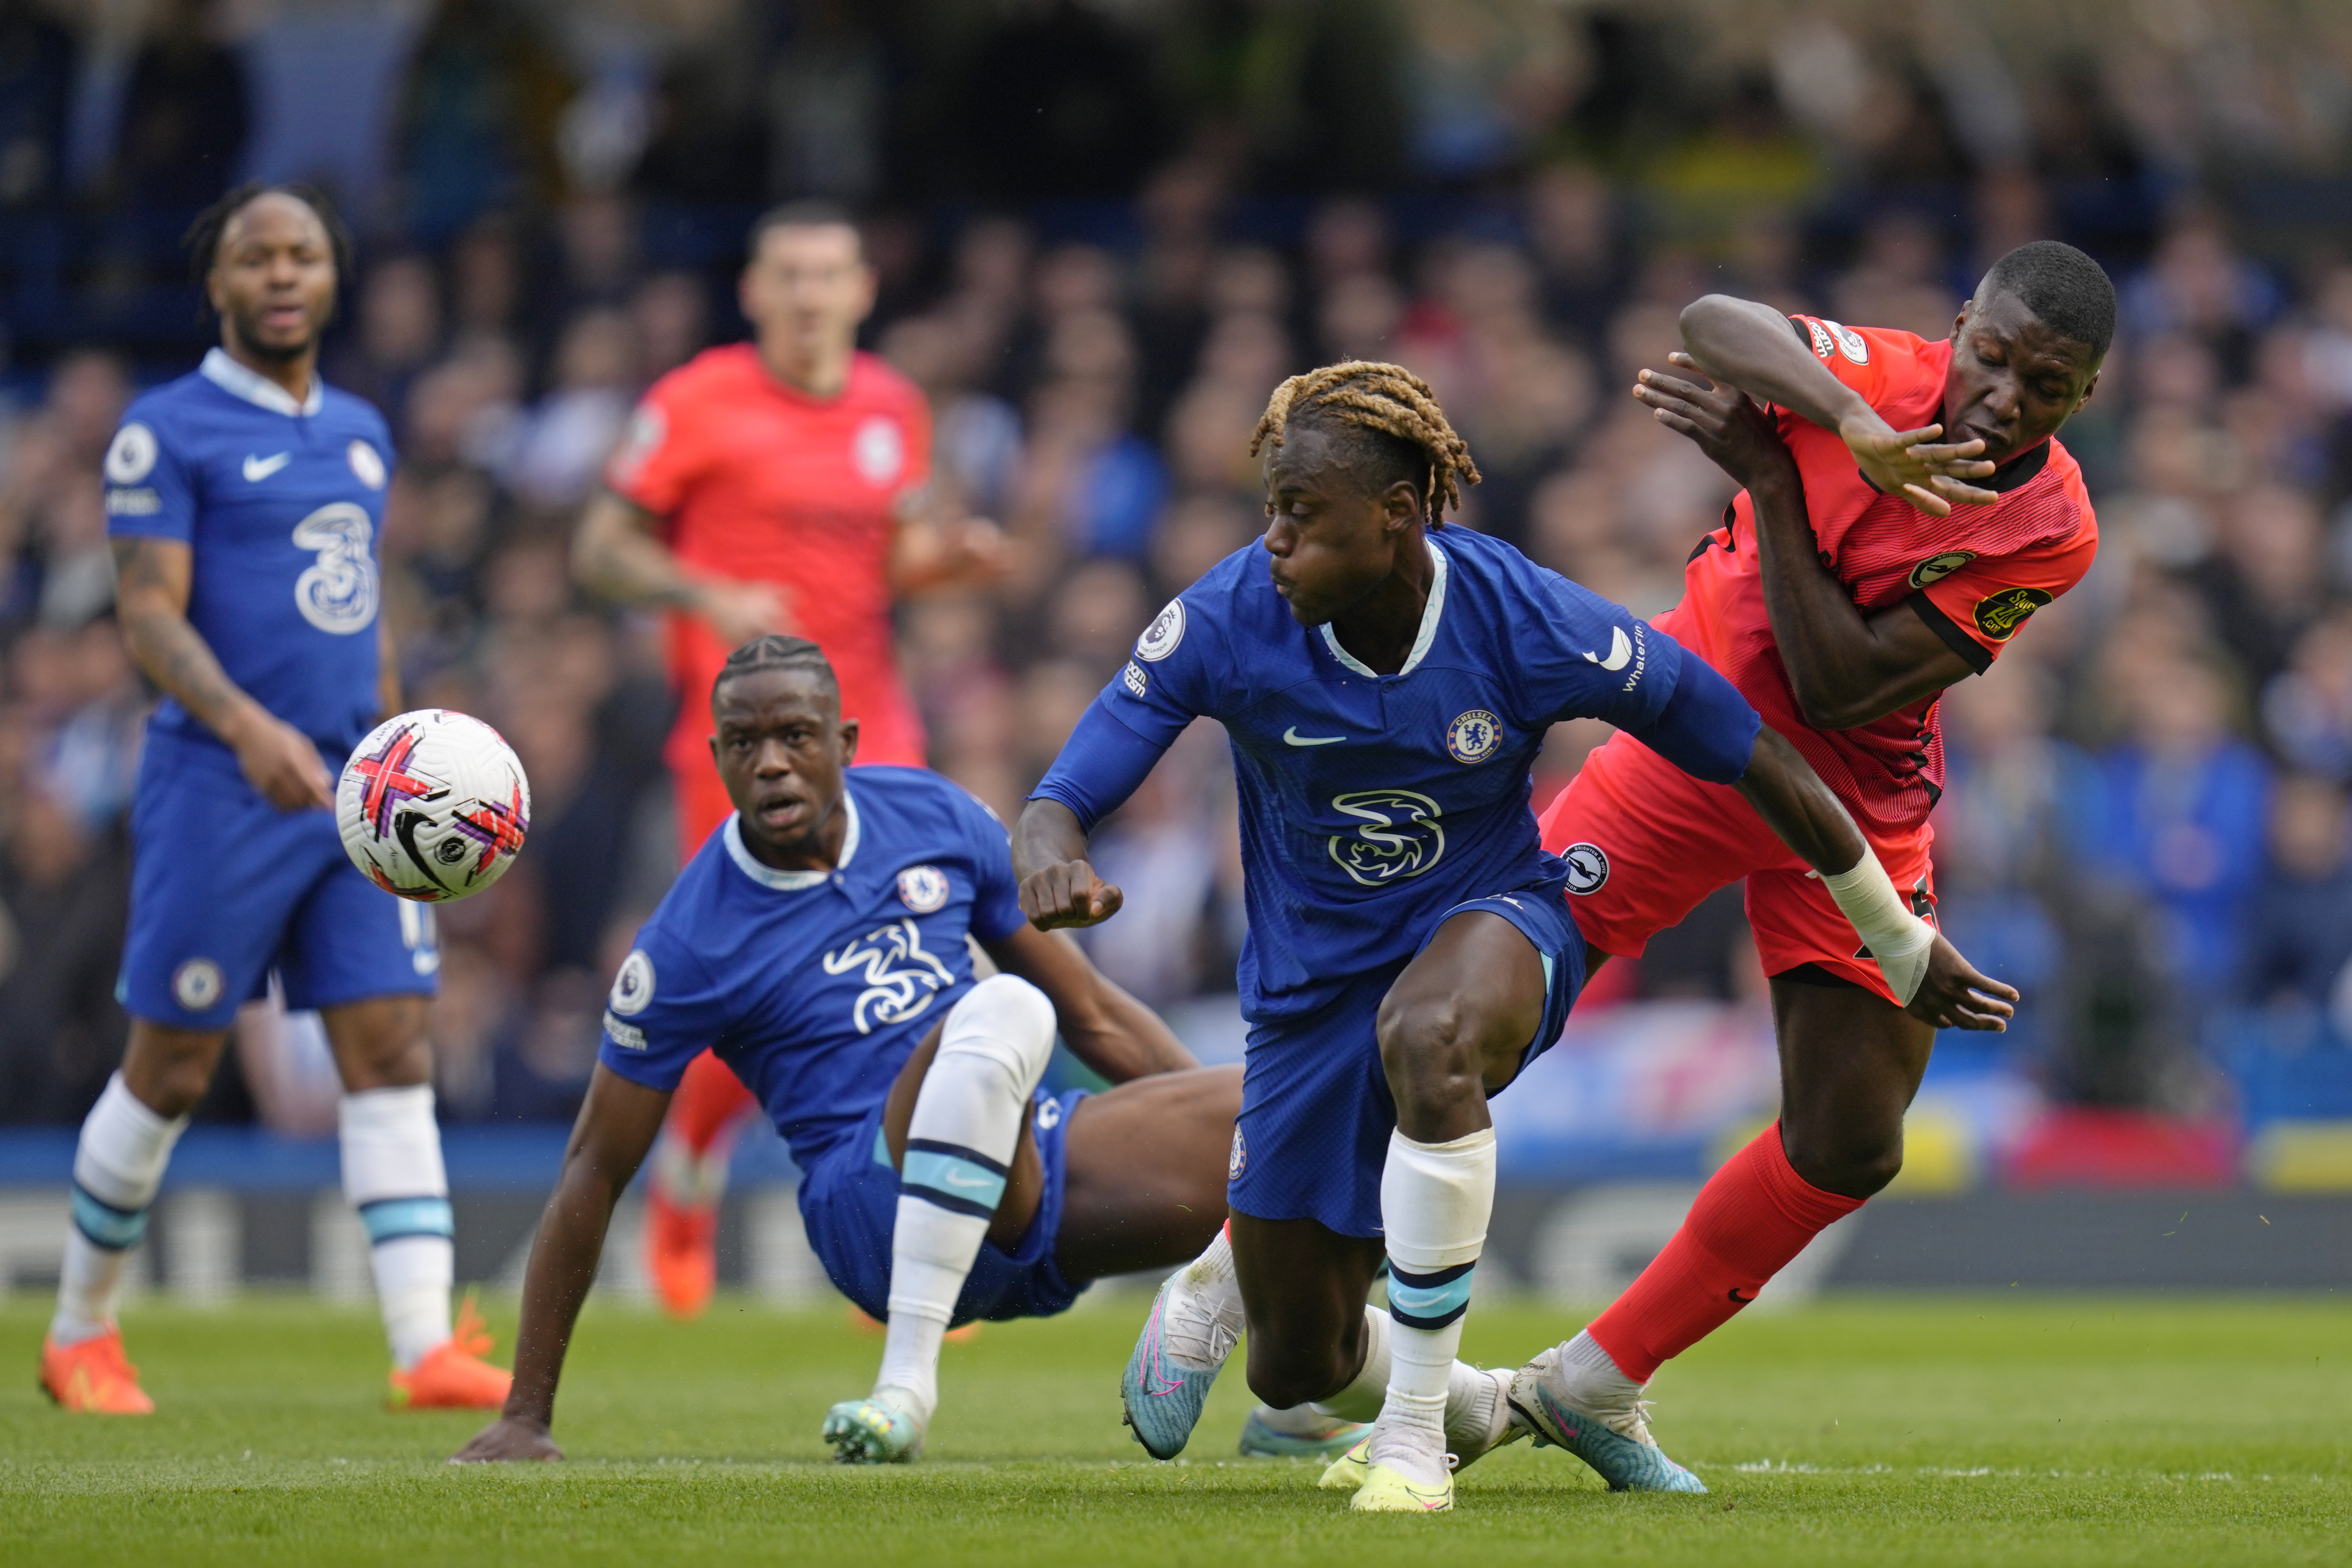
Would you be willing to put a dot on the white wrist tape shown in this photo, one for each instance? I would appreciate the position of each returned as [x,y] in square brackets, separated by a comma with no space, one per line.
[1897,938]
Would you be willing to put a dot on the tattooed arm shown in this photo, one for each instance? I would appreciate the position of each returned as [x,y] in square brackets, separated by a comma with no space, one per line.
[151,596]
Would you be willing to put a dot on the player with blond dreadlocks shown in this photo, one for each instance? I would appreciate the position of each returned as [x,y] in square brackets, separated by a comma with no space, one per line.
[1385,681]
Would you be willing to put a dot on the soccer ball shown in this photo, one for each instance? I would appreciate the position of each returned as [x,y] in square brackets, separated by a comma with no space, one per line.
[432,805]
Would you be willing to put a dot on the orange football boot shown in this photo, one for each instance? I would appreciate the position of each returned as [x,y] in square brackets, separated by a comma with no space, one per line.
[93,1377]
[681,1252]
[453,1375]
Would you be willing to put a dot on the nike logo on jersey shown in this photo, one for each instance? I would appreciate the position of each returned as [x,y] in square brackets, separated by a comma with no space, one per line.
[259,468]
[1296,739]
[1621,650]
[957,1179]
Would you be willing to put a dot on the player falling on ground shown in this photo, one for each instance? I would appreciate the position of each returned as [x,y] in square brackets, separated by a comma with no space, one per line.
[244,501]
[778,485]
[818,943]
[1844,592]
[1408,945]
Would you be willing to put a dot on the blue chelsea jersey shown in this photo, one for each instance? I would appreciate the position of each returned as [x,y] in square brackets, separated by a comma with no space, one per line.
[282,505]
[1372,803]
[816,986]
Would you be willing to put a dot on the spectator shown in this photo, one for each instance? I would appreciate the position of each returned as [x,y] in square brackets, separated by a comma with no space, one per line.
[185,113]
[38,60]
[2180,817]
[559,446]
[2299,930]
[1095,371]
[400,330]
[478,116]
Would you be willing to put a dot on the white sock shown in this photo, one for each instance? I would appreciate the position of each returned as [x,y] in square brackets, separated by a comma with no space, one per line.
[1591,1382]
[393,1175]
[118,1164]
[1205,1319]
[959,1146]
[1435,1200]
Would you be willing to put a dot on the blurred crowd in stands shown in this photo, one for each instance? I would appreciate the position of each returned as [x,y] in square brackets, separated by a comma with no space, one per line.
[1104,233]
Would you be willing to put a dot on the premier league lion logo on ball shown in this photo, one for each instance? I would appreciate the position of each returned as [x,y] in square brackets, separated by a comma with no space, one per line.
[432,805]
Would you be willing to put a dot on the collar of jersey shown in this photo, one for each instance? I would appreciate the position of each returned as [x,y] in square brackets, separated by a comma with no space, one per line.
[258,389]
[1429,615]
[790,882]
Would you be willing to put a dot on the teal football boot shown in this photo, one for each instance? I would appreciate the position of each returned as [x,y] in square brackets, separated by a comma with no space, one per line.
[872,1432]
[1619,1449]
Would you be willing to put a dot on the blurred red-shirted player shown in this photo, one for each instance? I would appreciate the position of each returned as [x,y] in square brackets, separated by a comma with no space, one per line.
[772,485]
[1844,592]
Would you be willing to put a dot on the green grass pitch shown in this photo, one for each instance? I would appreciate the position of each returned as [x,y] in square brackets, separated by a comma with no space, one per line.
[1880,1431]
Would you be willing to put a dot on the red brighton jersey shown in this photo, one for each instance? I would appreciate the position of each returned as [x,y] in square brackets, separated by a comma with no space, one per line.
[1974,577]
[758,480]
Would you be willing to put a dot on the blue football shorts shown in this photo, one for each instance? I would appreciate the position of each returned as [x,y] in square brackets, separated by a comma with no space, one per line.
[849,1207]
[225,888]
[1315,1110]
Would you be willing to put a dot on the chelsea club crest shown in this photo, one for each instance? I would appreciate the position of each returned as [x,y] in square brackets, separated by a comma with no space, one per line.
[922,889]
[1473,736]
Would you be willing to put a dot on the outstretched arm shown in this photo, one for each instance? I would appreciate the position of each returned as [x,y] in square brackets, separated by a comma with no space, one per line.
[1751,346]
[617,1126]
[1845,668]
[1937,986]
[1104,1027]
[934,548]
[616,556]
[1058,887]
[151,579]
[1101,764]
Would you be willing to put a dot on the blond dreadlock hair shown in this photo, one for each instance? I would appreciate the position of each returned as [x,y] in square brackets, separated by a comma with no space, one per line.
[1387,400]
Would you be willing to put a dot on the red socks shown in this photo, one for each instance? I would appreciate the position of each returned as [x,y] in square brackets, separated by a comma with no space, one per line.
[1753,1216]
[709,1101]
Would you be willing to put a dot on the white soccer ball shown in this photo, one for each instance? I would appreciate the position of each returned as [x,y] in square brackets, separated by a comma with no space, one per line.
[432,805]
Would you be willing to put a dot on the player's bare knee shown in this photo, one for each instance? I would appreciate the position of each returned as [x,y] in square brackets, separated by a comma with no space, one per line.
[1851,1167]
[382,1047]
[1429,1049]
[168,1070]
[173,1087]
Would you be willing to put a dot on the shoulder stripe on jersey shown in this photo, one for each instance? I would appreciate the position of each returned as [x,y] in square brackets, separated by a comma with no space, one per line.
[1978,656]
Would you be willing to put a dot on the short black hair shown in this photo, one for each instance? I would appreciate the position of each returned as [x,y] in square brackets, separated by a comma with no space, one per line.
[809,213]
[204,236]
[2070,293]
[774,652]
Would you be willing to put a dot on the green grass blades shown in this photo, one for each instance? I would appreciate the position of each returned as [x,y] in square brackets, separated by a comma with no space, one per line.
[1882,1431]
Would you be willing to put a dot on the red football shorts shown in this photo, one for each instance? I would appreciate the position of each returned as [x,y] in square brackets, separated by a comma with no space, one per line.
[1644,842]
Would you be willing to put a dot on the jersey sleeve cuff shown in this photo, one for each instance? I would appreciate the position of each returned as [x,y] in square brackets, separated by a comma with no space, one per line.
[637,1066]
[1978,657]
